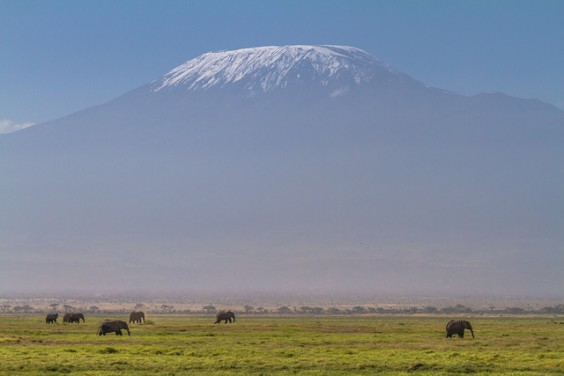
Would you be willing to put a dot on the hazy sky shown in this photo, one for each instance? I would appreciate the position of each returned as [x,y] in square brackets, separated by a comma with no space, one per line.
[58,57]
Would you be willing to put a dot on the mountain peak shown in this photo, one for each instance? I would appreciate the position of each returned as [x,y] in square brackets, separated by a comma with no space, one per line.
[270,67]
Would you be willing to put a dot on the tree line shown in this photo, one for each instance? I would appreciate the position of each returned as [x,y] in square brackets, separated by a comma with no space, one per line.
[288,310]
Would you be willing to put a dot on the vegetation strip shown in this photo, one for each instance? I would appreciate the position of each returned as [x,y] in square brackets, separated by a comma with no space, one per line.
[280,345]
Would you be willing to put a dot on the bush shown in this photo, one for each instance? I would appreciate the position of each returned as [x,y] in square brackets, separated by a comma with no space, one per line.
[108,350]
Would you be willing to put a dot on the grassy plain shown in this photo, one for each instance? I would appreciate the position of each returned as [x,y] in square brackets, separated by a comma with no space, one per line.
[270,345]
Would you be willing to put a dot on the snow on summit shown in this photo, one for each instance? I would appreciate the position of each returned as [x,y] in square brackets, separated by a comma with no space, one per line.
[266,68]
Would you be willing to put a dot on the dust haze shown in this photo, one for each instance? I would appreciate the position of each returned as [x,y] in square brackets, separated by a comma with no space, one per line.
[386,189]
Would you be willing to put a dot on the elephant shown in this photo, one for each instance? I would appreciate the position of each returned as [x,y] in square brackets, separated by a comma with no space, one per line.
[51,318]
[457,327]
[225,316]
[137,317]
[113,326]
[73,317]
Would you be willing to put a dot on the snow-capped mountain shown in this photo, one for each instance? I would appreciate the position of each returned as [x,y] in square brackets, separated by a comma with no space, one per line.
[269,68]
[280,168]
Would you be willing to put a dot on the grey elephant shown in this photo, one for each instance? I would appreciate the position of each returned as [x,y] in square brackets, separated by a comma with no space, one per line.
[73,317]
[457,327]
[137,317]
[51,318]
[114,326]
[225,316]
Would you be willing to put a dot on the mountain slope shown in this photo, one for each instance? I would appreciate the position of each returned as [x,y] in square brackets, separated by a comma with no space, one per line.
[301,168]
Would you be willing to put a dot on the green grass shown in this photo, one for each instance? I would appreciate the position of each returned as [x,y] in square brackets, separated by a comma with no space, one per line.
[363,345]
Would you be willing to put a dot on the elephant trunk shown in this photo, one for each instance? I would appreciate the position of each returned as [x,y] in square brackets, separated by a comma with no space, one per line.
[471,331]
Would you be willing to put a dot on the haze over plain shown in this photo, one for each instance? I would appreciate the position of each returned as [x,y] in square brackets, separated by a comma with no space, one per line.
[323,184]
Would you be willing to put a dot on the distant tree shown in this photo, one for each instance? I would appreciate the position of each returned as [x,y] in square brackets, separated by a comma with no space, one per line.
[167,308]
[27,308]
[358,309]
[94,309]
[333,311]
[559,308]
[249,309]
[261,310]
[462,309]
[430,309]
[459,308]
[68,308]
[5,307]
[310,310]
[139,307]
[209,309]
[17,309]
[54,306]
[284,310]
[515,310]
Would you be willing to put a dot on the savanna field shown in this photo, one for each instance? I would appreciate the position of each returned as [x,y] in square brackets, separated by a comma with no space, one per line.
[283,345]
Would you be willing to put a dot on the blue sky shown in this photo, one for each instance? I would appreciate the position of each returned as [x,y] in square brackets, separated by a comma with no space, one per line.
[61,56]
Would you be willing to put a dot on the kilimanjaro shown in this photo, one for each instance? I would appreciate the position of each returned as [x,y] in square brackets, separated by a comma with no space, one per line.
[292,169]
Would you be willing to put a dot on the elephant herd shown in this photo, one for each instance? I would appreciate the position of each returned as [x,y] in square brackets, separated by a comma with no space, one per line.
[107,326]
[115,326]
[68,318]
